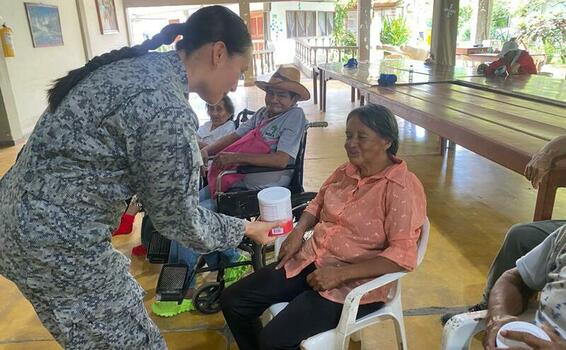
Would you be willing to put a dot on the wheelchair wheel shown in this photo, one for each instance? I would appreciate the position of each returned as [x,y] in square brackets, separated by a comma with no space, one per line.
[207,298]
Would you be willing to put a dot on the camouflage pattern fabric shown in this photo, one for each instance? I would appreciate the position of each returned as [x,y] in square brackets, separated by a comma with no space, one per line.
[127,128]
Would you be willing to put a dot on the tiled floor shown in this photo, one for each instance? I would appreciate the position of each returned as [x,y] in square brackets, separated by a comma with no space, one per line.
[471,203]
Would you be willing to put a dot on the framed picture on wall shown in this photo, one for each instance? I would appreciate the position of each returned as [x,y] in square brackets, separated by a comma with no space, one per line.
[44,24]
[107,19]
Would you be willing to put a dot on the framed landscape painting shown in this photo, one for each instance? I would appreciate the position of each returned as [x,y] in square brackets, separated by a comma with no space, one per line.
[107,19]
[44,24]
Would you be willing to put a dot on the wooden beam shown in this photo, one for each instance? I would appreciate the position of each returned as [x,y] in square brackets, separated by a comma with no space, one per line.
[444,31]
[481,19]
[364,33]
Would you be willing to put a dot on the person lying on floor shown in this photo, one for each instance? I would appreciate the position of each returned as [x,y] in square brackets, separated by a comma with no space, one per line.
[367,220]
[272,138]
[542,270]
[513,62]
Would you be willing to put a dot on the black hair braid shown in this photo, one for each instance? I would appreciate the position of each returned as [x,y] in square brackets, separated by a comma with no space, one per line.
[62,86]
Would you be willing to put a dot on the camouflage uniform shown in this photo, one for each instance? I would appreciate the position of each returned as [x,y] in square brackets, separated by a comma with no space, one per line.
[127,128]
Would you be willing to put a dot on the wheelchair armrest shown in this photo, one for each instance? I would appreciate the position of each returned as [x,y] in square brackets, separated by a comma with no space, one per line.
[352,301]
[250,169]
[460,329]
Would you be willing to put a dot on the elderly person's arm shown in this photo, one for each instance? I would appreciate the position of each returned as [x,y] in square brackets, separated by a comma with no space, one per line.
[309,218]
[510,294]
[541,162]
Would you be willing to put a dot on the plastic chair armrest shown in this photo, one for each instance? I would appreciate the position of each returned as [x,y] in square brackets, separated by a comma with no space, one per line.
[352,301]
[460,329]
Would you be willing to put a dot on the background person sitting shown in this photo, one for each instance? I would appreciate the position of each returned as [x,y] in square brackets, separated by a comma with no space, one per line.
[279,127]
[220,124]
[367,219]
[522,238]
[542,270]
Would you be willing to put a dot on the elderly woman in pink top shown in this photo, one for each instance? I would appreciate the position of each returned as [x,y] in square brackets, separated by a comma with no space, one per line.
[367,219]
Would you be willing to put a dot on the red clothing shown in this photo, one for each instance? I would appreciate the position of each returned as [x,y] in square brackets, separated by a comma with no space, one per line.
[361,219]
[525,61]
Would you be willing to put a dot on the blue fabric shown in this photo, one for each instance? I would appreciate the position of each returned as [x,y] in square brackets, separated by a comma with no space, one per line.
[179,254]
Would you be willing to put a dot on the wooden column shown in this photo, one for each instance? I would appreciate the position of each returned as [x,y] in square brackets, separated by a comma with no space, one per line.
[481,18]
[244,6]
[364,33]
[444,31]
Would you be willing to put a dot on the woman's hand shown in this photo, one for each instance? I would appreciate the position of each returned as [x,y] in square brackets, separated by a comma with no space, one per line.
[555,343]
[225,159]
[289,248]
[258,231]
[538,167]
[493,324]
[325,278]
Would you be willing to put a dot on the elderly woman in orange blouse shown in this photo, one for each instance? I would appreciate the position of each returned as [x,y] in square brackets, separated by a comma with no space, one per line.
[367,219]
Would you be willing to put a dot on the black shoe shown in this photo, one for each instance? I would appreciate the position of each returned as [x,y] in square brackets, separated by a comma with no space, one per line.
[478,307]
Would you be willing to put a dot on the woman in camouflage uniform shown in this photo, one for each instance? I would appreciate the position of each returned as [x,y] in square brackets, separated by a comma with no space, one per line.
[120,125]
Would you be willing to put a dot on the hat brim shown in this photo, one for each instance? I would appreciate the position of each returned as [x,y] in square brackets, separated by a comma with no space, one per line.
[292,86]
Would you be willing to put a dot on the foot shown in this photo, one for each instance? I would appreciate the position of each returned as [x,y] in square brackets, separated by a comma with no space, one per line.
[171,308]
[139,250]
[478,307]
[234,274]
[126,225]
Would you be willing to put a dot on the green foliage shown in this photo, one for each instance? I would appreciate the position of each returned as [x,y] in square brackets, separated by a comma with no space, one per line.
[500,18]
[394,31]
[342,36]
[548,30]
[464,16]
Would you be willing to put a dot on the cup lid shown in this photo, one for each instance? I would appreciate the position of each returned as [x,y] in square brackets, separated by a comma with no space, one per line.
[519,326]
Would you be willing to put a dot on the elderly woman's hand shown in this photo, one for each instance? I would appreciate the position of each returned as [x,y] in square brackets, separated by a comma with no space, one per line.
[225,159]
[290,247]
[325,278]
[493,324]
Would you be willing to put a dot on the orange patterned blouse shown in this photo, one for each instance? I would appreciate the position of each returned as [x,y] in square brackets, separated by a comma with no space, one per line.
[360,219]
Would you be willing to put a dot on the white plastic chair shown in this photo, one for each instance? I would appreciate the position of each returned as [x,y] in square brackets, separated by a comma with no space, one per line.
[460,329]
[338,338]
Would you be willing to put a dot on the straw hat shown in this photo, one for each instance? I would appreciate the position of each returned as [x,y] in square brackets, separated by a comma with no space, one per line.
[287,77]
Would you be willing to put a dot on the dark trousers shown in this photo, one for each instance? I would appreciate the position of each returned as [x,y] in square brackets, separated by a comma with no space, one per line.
[306,315]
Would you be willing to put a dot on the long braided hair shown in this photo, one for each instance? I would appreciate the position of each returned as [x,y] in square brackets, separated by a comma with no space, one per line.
[207,25]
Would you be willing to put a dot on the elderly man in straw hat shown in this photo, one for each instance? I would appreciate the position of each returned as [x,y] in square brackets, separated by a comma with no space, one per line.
[270,138]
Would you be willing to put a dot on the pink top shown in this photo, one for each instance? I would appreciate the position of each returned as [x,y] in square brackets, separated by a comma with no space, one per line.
[361,219]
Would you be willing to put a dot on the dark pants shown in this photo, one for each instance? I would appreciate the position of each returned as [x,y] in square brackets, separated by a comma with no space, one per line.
[520,239]
[306,315]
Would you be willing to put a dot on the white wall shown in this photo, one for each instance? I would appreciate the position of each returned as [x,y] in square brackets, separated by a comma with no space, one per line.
[25,78]
[32,70]
[285,48]
[101,43]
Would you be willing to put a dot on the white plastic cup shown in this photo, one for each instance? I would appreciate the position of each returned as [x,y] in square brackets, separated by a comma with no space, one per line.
[519,326]
[275,205]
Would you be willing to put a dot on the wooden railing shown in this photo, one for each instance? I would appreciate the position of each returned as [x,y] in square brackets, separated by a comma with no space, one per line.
[315,50]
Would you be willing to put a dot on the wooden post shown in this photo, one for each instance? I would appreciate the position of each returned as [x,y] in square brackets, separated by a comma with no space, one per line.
[444,31]
[364,23]
[481,18]
[244,7]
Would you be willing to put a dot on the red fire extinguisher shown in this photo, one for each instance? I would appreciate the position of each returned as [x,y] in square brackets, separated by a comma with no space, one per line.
[7,42]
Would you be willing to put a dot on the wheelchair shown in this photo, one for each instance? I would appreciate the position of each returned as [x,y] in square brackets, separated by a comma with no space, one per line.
[171,285]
